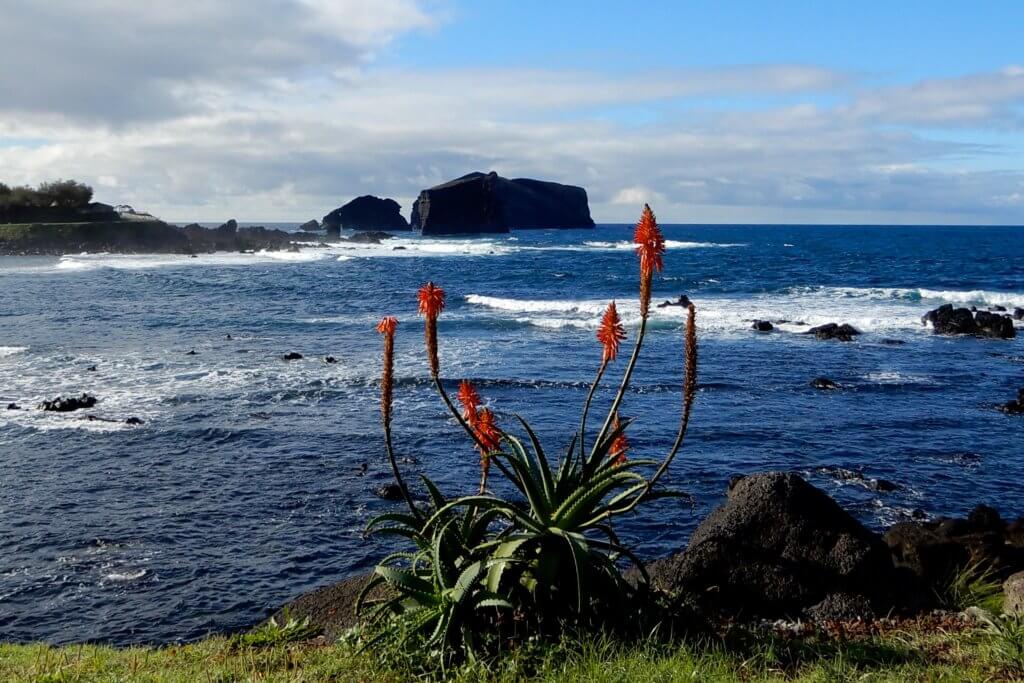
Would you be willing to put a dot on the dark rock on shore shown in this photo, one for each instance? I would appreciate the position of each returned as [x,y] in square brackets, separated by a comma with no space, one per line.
[762,326]
[1018,314]
[134,421]
[293,355]
[13,406]
[310,226]
[1014,407]
[366,213]
[936,551]
[949,320]
[823,383]
[779,547]
[488,203]
[331,609]
[835,331]
[67,405]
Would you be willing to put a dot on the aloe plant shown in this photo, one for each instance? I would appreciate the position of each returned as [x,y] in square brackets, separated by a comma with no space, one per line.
[483,563]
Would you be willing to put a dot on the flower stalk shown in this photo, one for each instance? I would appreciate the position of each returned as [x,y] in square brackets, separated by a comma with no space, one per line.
[387,327]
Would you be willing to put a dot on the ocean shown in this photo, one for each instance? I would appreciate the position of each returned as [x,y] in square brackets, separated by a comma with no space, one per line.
[252,477]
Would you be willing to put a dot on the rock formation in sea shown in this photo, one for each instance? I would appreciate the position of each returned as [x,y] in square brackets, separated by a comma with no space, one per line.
[366,213]
[949,320]
[487,203]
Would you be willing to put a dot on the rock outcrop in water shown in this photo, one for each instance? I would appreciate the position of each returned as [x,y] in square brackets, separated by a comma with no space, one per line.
[1014,407]
[67,405]
[488,203]
[954,321]
[835,331]
[366,213]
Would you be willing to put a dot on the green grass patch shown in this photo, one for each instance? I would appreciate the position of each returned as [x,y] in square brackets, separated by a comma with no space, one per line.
[978,655]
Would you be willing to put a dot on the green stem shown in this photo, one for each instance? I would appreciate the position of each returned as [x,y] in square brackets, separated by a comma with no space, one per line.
[462,421]
[398,474]
[622,387]
[586,406]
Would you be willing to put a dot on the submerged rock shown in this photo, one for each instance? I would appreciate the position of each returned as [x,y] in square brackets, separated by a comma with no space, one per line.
[390,492]
[683,301]
[844,332]
[823,383]
[67,405]
[330,360]
[1014,407]
[779,547]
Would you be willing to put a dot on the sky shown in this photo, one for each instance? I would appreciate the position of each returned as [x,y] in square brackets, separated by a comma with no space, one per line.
[713,112]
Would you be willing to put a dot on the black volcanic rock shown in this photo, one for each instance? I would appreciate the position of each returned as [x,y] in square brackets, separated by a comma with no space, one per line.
[366,213]
[465,205]
[67,405]
[762,326]
[488,203]
[844,332]
[948,320]
[539,204]
[310,226]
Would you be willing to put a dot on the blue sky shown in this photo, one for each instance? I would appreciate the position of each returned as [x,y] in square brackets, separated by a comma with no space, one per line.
[835,112]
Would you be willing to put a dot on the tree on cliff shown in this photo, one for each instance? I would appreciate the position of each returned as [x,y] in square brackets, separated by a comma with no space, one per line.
[65,194]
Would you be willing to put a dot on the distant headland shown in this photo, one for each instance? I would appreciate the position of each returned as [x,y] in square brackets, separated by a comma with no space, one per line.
[61,217]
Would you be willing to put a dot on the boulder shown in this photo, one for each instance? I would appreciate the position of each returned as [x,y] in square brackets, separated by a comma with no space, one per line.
[1018,314]
[949,320]
[310,226]
[936,551]
[762,326]
[366,213]
[842,332]
[293,355]
[465,205]
[67,405]
[1013,594]
[486,202]
[778,548]
[13,406]
[331,609]
[134,421]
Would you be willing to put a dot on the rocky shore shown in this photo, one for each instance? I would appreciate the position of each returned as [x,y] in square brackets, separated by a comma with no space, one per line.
[779,548]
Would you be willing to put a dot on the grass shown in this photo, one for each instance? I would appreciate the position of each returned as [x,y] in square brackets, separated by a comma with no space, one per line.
[974,655]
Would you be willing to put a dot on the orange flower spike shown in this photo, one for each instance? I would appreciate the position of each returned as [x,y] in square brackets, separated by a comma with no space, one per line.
[470,401]
[431,301]
[650,248]
[387,327]
[610,333]
[487,432]
[621,444]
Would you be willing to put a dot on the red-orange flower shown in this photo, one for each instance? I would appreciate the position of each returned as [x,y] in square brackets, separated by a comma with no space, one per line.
[431,299]
[650,242]
[387,325]
[610,333]
[470,401]
[487,432]
[620,446]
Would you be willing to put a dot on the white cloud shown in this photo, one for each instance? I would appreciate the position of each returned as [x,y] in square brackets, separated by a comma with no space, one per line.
[207,109]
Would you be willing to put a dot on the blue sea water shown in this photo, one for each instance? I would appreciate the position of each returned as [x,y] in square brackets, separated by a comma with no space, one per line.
[245,486]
